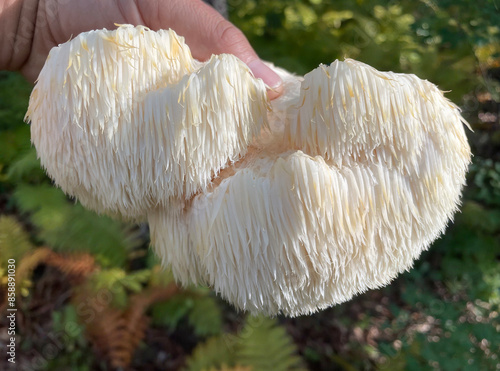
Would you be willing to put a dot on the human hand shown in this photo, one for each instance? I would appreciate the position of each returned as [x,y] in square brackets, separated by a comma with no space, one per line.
[205,30]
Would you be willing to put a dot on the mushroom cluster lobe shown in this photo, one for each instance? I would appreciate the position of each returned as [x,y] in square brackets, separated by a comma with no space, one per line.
[287,206]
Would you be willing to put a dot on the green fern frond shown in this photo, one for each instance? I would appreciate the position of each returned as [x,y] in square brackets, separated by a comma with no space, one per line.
[14,241]
[205,316]
[213,353]
[71,228]
[264,345]
[116,283]
[135,280]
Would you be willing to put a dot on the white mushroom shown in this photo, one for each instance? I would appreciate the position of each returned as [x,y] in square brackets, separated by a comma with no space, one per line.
[125,120]
[364,175]
[358,173]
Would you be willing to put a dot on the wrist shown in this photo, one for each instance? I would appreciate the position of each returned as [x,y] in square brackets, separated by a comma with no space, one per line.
[17,27]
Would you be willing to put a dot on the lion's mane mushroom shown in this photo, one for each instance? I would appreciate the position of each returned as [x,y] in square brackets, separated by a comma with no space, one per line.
[356,174]
[125,120]
[365,174]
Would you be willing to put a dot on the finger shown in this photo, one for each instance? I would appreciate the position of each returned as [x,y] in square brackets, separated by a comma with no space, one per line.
[207,32]
[229,39]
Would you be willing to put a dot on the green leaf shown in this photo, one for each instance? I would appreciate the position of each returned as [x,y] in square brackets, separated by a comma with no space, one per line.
[170,312]
[205,316]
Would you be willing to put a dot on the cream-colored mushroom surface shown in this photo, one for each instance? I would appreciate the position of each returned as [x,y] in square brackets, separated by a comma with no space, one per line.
[126,120]
[287,206]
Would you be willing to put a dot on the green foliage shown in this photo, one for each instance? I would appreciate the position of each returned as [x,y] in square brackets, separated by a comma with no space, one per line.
[14,241]
[211,353]
[261,344]
[439,41]
[469,262]
[266,346]
[458,335]
[14,244]
[74,352]
[119,283]
[485,181]
[169,313]
[461,330]
[468,252]
[65,226]
[26,168]
[205,316]
[14,95]
[14,135]
[197,305]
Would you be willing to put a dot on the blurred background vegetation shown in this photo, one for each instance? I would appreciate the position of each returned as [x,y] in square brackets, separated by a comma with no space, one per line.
[91,296]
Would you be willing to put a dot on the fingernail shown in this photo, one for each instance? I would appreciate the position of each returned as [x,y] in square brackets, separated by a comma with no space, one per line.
[270,78]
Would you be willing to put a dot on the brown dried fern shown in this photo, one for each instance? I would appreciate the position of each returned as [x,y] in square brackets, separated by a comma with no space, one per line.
[114,333]
[117,333]
[77,267]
